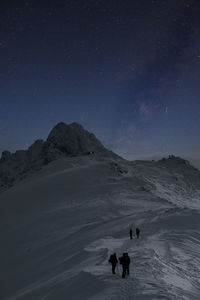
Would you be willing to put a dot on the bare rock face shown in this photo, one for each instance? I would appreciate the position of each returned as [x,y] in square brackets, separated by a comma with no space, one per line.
[63,140]
[36,148]
[70,139]
[5,155]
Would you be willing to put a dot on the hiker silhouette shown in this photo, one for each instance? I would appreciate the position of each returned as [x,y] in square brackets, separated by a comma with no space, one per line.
[125,262]
[113,260]
[137,231]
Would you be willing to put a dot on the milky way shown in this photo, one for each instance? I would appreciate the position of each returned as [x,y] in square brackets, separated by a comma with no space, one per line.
[127,70]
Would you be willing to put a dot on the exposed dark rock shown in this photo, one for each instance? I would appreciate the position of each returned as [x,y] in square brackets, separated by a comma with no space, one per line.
[63,140]
[5,155]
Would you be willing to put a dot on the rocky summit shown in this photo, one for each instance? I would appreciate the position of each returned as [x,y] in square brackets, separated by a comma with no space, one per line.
[64,140]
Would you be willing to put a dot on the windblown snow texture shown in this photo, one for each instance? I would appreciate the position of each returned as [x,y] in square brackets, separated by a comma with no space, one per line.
[60,224]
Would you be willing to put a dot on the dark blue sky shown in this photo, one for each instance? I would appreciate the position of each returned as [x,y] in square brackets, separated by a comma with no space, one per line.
[129,71]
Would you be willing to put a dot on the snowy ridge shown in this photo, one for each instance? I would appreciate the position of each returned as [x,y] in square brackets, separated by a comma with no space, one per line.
[174,179]
[63,141]
[60,224]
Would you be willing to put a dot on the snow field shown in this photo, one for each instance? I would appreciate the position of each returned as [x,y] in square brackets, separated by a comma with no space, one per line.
[60,226]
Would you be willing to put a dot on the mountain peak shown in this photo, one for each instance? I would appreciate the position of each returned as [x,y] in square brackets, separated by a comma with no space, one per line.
[63,140]
[70,139]
[62,125]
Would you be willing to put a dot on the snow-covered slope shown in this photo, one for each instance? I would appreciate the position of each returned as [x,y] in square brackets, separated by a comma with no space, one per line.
[63,141]
[60,224]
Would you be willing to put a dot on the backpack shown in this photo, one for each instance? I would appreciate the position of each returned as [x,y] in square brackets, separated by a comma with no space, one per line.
[126,261]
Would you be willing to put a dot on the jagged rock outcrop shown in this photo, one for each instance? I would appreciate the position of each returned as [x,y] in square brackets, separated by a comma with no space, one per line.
[5,155]
[70,139]
[35,149]
[172,159]
[63,140]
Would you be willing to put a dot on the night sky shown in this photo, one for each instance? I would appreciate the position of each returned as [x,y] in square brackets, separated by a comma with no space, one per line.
[127,70]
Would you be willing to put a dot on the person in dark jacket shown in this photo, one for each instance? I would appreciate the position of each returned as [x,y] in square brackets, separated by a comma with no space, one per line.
[137,232]
[131,234]
[125,262]
[113,260]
